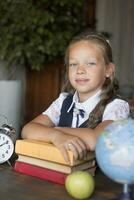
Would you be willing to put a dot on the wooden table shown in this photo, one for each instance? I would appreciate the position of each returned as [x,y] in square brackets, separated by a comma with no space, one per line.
[16,186]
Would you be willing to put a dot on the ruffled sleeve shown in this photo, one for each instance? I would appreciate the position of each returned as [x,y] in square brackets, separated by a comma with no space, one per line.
[118,109]
[54,110]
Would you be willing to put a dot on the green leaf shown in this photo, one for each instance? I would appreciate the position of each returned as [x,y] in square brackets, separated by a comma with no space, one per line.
[35,32]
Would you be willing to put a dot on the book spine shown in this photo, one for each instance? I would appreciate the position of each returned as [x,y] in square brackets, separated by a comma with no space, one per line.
[39,172]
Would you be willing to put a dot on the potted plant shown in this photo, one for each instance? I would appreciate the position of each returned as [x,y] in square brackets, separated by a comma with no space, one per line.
[33,33]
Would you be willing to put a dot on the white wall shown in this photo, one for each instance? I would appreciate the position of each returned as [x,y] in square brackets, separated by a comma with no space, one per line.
[117,17]
[12,95]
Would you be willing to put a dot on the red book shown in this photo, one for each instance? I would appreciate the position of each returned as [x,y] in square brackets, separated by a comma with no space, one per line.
[40,172]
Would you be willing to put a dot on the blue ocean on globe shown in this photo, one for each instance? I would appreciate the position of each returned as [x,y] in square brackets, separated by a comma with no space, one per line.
[115,151]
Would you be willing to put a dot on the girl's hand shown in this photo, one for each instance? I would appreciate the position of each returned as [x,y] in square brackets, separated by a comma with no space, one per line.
[66,142]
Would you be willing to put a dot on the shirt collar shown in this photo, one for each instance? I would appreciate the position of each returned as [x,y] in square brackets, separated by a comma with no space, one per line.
[87,105]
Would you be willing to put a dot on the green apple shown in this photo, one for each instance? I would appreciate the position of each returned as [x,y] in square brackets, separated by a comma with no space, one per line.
[80,184]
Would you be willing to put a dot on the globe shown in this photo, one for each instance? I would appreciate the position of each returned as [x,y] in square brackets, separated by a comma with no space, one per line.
[115,152]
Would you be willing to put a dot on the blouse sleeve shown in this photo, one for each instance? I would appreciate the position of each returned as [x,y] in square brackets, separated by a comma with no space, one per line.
[118,109]
[54,110]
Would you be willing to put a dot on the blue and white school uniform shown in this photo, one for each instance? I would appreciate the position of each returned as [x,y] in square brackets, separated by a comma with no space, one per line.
[117,109]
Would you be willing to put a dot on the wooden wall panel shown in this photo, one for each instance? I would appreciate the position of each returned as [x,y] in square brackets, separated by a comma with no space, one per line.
[89,12]
[42,88]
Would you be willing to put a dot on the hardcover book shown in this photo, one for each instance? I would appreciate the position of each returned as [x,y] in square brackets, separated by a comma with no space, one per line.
[43,173]
[57,166]
[40,172]
[46,151]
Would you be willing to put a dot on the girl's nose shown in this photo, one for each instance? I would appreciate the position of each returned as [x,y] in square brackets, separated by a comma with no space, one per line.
[80,68]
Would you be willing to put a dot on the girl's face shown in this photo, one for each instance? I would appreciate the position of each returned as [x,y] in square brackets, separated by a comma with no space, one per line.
[87,68]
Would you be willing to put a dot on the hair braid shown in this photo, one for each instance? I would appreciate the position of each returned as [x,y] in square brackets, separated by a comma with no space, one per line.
[109,92]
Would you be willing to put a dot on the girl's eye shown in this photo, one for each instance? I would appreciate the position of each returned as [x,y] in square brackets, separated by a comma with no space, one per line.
[72,64]
[91,64]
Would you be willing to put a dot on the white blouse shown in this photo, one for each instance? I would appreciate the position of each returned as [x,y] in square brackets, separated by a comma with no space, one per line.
[116,110]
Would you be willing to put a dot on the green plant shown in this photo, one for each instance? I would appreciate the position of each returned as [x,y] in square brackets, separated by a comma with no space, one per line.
[34,32]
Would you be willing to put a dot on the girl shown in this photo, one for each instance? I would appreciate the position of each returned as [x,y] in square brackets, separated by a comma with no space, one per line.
[76,119]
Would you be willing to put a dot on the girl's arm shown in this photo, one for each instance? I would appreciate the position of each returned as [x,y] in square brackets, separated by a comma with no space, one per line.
[42,128]
[81,139]
[88,135]
[39,128]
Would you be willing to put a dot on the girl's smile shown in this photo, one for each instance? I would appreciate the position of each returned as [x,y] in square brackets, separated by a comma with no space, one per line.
[81,81]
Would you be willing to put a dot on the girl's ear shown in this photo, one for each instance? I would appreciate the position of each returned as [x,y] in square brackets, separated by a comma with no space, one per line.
[110,70]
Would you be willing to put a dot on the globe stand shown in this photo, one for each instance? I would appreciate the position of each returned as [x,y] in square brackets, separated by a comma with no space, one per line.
[127,194]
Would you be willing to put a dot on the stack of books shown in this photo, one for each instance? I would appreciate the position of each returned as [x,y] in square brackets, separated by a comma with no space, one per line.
[45,161]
